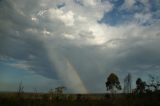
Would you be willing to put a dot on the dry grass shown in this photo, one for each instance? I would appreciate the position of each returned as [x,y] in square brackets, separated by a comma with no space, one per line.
[40,99]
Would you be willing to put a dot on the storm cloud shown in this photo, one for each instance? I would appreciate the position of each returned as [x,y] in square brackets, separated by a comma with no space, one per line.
[76,42]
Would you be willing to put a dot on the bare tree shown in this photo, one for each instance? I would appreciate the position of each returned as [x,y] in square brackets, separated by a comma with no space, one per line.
[154,83]
[128,84]
[20,89]
[35,92]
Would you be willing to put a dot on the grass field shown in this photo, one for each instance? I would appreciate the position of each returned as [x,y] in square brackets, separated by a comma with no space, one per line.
[42,99]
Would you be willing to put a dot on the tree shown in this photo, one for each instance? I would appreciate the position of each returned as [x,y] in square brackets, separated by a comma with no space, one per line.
[154,83]
[127,84]
[59,90]
[113,83]
[20,89]
[140,86]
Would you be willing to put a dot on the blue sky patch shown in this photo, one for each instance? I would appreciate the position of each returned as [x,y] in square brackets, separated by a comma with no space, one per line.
[119,14]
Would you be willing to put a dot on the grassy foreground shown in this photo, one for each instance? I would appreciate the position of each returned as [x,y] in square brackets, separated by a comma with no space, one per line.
[32,99]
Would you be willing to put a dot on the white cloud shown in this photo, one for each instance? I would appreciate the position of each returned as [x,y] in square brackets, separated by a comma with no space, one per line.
[21,65]
[79,19]
[34,19]
[128,4]
[69,36]
[67,18]
[143,18]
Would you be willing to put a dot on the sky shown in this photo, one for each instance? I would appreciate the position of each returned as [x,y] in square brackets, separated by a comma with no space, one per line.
[77,43]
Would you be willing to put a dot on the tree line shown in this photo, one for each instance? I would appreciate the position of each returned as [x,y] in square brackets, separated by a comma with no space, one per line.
[113,85]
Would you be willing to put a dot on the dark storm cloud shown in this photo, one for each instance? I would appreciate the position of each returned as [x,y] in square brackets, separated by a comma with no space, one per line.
[27,49]
[134,55]
[17,43]
[138,53]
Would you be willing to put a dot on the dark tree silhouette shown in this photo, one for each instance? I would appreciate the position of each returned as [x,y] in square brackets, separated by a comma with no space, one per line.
[113,83]
[140,86]
[59,90]
[155,83]
[20,89]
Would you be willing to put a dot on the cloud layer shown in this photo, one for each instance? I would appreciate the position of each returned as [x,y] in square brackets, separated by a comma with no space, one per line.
[80,42]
